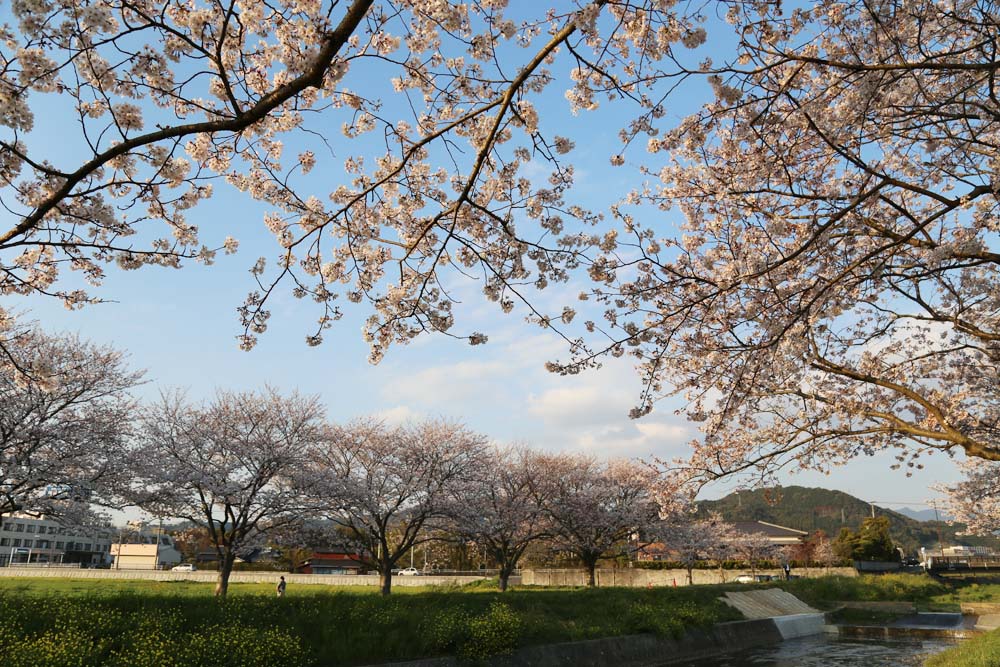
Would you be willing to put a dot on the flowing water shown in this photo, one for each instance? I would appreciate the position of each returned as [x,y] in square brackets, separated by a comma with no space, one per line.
[829,651]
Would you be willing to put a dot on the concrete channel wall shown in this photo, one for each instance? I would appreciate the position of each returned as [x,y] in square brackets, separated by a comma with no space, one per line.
[630,650]
[235,577]
[640,577]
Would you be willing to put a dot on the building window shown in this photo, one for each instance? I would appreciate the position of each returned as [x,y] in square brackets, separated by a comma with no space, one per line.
[19,528]
[60,545]
[17,542]
[52,530]
[31,527]
[4,541]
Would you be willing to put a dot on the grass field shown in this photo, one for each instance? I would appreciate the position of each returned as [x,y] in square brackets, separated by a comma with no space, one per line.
[824,592]
[63,622]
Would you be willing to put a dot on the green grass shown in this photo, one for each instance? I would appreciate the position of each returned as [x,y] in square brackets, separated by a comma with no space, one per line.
[56,622]
[825,592]
[980,651]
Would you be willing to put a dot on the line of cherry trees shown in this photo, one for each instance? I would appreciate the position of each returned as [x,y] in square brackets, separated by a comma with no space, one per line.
[252,467]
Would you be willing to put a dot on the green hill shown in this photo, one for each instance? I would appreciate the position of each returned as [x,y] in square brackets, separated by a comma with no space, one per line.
[828,510]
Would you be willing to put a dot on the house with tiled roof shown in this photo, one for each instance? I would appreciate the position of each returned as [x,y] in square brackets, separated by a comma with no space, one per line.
[777,535]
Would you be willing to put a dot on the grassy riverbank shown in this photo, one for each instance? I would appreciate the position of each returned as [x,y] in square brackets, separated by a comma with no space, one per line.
[981,651]
[55,622]
[824,593]
[925,592]
[61,622]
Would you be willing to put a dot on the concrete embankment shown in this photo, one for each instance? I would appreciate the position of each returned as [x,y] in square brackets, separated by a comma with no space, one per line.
[773,614]
[923,625]
[792,617]
[630,650]
[641,577]
[234,578]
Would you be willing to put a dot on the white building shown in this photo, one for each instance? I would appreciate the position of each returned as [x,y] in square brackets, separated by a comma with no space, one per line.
[31,540]
[141,547]
[959,550]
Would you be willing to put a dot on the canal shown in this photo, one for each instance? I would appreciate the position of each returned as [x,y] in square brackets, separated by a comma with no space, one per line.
[829,651]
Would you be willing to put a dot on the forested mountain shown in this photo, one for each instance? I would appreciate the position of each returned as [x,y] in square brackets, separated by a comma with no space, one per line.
[813,509]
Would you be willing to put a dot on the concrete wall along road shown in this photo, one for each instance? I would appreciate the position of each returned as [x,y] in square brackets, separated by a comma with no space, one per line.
[641,578]
[208,576]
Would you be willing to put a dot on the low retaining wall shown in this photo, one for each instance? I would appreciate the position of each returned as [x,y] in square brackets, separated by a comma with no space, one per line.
[888,606]
[630,650]
[641,578]
[236,577]
[883,632]
[980,608]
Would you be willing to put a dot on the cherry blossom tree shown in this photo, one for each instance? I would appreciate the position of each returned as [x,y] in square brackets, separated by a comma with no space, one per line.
[226,465]
[752,548]
[598,508]
[388,487]
[437,166]
[503,510]
[975,500]
[65,413]
[833,290]
[823,552]
[692,540]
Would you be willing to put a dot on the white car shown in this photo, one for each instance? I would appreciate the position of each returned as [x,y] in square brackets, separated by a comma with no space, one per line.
[409,572]
[184,567]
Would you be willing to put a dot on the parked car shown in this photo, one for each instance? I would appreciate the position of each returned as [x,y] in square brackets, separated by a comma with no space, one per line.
[409,572]
[751,578]
[184,567]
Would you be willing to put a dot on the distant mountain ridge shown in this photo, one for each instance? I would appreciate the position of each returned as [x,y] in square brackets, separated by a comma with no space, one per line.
[813,509]
[925,515]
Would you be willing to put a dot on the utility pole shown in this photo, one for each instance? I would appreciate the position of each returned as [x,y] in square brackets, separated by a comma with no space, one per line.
[938,520]
[873,509]
[156,558]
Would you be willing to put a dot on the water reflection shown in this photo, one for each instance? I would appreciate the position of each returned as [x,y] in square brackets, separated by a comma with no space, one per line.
[826,651]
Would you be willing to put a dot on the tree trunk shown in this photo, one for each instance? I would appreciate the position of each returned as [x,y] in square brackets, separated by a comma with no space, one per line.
[690,570]
[504,577]
[385,580]
[591,574]
[225,569]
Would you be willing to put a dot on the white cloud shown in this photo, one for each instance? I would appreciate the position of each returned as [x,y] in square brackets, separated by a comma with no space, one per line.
[398,415]
[447,384]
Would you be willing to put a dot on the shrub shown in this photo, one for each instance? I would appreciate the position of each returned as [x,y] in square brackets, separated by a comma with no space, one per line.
[644,617]
[495,633]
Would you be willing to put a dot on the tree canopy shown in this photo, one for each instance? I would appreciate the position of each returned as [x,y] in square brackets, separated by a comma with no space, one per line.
[831,290]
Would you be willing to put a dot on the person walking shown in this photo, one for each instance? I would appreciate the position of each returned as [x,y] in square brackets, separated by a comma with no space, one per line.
[281,588]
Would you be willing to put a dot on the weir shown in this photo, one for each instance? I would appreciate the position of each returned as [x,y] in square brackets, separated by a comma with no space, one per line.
[800,625]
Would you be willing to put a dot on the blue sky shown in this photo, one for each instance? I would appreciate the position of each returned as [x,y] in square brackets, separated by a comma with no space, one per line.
[181,325]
